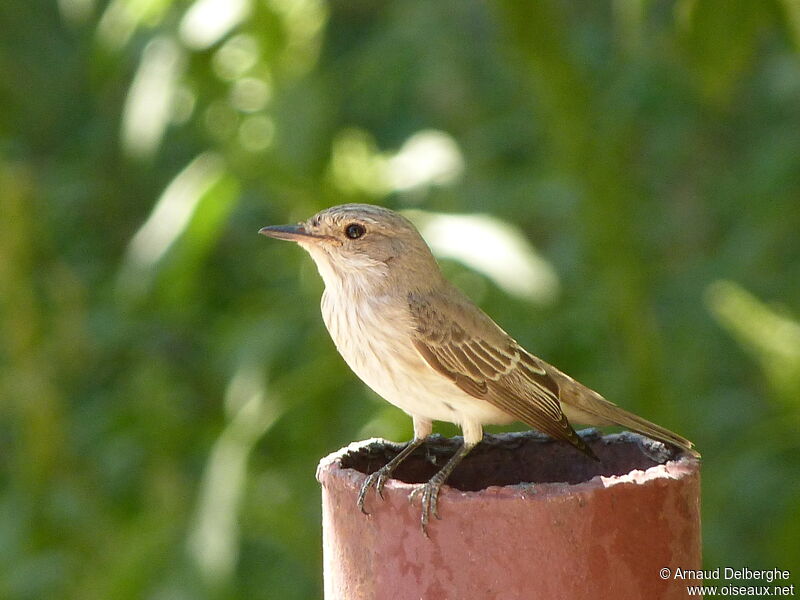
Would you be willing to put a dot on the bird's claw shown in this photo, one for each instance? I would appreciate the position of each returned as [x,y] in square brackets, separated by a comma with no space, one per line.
[376,480]
[430,501]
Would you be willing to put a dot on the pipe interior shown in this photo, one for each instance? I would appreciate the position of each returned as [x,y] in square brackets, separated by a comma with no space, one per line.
[516,458]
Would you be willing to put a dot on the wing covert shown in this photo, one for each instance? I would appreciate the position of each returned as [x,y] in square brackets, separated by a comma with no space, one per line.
[485,362]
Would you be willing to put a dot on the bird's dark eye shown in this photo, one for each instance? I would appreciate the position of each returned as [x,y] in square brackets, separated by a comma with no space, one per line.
[354,231]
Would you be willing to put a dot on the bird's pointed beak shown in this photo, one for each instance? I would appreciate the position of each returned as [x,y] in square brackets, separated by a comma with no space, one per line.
[293,233]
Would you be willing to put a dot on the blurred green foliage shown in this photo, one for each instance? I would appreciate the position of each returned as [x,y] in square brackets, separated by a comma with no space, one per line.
[166,383]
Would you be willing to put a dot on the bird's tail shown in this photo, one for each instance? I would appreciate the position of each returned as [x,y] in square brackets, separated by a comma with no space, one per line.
[582,405]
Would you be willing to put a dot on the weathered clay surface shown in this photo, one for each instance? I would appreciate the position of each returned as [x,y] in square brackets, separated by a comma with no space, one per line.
[525,518]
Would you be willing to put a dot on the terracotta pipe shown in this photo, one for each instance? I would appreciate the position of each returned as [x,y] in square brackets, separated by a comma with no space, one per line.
[577,529]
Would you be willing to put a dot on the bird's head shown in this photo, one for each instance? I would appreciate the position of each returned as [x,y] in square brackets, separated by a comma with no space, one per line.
[362,245]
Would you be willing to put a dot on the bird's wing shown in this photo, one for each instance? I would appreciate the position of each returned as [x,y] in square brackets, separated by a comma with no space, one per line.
[462,343]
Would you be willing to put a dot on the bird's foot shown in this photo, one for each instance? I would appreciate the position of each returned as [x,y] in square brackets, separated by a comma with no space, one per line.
[376,480]
[430,500]
[379,477]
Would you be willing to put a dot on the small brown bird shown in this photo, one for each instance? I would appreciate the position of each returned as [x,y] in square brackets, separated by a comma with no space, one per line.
[421,344]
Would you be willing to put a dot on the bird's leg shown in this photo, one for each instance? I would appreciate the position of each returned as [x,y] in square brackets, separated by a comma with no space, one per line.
[430,490]
[422,429]
[379,477]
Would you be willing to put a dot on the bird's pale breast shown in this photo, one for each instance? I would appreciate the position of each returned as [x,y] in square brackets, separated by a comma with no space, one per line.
[373,335]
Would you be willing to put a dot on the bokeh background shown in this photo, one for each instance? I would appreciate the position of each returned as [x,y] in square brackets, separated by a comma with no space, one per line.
[617,183]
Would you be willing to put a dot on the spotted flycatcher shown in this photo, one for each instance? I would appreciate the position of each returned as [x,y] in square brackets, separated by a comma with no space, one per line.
[421,344]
